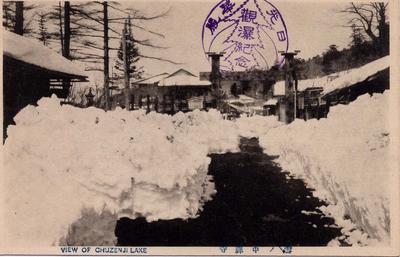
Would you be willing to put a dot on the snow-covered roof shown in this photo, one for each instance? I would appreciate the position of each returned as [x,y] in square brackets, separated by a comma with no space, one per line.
[243,99]
[153,79]
[338,80]
[239,108]
[272,101]
[354,76]
[182,78]
[32,52]
[246,108]
[279,86]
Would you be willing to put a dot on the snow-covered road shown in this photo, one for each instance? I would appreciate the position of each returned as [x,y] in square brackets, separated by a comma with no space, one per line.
[256,204]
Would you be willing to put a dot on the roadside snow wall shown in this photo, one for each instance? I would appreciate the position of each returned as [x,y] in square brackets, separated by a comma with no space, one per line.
[59,160]
[346,159]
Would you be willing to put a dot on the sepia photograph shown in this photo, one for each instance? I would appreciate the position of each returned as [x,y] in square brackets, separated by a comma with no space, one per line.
[221,127]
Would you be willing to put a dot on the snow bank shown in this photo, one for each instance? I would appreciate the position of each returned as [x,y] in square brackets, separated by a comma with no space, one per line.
[61,159]
[346,159]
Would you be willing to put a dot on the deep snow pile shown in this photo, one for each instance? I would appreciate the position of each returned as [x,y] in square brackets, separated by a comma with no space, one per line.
[60,159]
[346,159]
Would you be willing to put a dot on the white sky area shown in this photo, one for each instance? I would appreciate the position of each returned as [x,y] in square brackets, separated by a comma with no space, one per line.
[312,26]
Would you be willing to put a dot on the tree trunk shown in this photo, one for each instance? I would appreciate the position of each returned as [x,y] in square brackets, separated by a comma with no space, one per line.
[61,27]
[383,32]
[126,69]
[67,40]
[67,30]
[106,57]
[19,18]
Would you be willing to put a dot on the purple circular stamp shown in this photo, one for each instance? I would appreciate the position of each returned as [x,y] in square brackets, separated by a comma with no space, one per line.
[250,32]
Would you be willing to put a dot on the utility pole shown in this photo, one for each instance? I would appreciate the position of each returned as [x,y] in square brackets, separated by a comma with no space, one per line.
[126,67]
[67,40]
[290,83]
[106,57]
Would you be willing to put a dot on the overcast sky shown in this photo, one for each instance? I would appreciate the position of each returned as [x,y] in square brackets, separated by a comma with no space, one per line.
[312,26]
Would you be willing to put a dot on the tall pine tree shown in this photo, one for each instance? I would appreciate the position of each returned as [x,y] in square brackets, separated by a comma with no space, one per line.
[132,55]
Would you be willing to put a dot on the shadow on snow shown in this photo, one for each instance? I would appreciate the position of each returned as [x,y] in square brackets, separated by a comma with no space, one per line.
[256,204]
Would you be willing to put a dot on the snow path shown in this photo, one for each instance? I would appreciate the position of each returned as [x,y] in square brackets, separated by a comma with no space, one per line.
[256,204]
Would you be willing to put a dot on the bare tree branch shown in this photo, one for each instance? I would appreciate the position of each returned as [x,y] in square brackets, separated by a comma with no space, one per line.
[96,36]
[146,42]
[149,31]
[137,16]
[118,9]
[77,11]
[160,59]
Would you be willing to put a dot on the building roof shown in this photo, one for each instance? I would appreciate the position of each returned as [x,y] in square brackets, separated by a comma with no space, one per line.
[153,79]
[32,52]
[339,80]
[182,78]
[243,99]
[357,75]
[272,101]
[279,86]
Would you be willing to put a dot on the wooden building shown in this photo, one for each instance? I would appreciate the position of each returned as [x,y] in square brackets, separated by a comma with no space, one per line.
[375,83]
[315,96]
[179,88]
[32,71]
[270,107]
[168,93]
[310,104]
